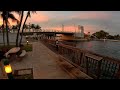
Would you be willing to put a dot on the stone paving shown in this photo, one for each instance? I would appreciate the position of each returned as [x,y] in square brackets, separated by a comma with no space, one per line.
[44,63]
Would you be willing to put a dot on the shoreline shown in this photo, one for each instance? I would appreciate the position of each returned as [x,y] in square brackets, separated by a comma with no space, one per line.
[93,40]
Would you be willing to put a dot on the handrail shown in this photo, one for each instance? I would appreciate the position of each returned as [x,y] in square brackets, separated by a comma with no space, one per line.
[95,65]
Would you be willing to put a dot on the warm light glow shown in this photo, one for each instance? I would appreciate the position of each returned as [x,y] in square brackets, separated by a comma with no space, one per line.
[27,42]
[8,68]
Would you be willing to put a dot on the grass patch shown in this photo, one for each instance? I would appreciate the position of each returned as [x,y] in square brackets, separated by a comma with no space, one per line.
[26,47]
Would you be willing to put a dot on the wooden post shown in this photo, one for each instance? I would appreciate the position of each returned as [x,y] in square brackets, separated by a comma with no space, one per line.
[117,75]
[98,59]
[99,69]
[86,65]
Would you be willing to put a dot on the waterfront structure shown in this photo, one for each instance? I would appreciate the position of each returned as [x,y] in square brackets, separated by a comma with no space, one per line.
[80,32]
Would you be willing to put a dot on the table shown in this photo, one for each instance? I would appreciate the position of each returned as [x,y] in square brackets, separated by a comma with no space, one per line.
[12,50]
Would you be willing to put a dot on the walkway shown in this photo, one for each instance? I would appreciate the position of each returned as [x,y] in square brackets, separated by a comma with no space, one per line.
[44,63]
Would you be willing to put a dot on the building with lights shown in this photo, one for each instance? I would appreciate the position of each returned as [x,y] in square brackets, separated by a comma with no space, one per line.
[80,32]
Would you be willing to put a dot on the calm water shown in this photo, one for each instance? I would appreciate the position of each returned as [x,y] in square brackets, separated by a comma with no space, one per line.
[12,38]
[107,48]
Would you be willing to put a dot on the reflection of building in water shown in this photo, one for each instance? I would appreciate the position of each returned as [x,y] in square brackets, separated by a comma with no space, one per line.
[80,32]
[58,36]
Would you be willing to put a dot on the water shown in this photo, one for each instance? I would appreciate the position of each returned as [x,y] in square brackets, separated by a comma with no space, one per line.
[12,38]
[106,48]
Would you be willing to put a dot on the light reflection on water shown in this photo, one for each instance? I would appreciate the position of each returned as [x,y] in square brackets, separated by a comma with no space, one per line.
[107,48]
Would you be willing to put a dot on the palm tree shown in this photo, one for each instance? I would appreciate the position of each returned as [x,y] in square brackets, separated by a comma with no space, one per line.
[26,26]
[33,26]
[28,15]
[15,27]
[37,27]
[6,22]
[2,15]
[21,13]
[3,33]
[7,15]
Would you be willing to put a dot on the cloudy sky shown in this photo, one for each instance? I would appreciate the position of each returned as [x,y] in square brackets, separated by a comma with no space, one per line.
[91,20]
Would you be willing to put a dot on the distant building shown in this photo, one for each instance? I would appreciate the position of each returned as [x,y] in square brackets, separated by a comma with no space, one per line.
[80,32]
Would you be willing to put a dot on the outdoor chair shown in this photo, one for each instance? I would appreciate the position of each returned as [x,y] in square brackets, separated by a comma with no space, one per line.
[22,55]
[12,54]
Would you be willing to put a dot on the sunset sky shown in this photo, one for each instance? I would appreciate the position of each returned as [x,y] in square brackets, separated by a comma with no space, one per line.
[91,20]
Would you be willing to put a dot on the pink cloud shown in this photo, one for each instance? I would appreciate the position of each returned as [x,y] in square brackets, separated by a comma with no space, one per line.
[38,17]
[91,28]
[91,15]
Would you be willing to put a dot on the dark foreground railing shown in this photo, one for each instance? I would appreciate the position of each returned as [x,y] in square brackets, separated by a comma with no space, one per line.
[95,65]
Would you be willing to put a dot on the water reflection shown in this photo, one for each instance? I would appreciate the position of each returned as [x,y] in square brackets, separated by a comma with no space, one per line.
[107,48]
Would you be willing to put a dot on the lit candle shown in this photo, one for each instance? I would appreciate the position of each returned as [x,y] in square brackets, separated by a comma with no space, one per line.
[8,68]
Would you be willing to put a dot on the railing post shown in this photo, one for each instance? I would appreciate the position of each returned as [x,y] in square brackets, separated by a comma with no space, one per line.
[117,75]
[86,65]
[97,59]
[99,69]
[82,57]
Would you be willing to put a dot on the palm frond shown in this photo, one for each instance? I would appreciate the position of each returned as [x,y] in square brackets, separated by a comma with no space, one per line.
[12,17]
[18,12]
[28,14]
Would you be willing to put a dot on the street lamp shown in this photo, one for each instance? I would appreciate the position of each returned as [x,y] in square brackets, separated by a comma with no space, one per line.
[8,69]
[27,42]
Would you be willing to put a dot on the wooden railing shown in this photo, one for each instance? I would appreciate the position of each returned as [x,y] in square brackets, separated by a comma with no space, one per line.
[50,44]
[95,65]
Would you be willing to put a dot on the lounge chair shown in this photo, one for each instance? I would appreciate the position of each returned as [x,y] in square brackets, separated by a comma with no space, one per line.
[12,50]
[23,54]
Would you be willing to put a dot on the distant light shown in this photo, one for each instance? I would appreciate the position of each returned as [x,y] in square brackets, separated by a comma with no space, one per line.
[27,42]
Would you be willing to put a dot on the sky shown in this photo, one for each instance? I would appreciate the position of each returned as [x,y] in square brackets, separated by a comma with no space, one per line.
[92,21]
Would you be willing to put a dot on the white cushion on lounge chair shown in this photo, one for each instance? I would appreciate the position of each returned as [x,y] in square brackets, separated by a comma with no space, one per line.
[23,53]
[12,50]
[6,54]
